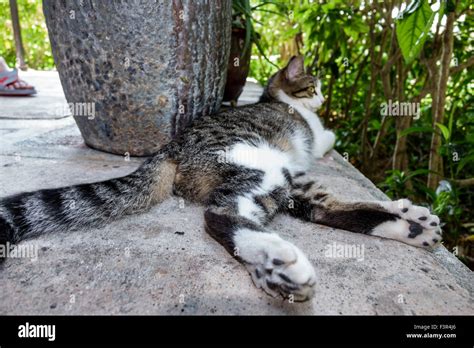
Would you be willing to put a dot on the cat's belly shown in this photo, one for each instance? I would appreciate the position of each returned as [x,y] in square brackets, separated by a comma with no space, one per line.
[271,161]
[301,152]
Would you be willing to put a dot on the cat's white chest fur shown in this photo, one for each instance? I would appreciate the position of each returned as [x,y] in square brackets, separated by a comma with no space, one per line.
[323,139]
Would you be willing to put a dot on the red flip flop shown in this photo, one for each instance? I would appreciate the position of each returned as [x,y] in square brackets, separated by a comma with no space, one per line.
[10,77]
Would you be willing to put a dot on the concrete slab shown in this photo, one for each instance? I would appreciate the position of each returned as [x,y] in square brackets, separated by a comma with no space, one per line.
[48,103]
[141,265]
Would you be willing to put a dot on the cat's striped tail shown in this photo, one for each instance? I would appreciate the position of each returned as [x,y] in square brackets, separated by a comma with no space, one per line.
[91,205]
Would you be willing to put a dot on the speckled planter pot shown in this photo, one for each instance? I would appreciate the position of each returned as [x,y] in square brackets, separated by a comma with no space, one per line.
[144,68]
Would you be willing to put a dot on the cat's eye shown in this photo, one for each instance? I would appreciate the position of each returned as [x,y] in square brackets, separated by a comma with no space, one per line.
[311,89]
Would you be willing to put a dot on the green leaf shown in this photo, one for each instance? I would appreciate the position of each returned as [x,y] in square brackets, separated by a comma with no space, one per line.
[464,161]
[418,172]
[359,26]
[412,29]
[410,130]
[444,130]
[375,124]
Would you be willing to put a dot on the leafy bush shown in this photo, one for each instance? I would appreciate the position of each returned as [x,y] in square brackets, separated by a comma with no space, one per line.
[34,33]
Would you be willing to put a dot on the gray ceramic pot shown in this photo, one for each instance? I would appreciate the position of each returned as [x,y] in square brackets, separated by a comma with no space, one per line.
[137,72]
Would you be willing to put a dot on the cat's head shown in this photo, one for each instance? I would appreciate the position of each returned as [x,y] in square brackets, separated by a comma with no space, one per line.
[293,85]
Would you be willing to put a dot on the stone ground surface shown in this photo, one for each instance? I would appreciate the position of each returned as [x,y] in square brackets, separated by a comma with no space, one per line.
[163,262]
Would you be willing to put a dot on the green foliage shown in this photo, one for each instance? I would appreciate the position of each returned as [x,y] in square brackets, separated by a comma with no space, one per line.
[444,130]
[411,130]
[242,17]
[395,184]
[446,204]
[412,28]
[271,22]
[34,33]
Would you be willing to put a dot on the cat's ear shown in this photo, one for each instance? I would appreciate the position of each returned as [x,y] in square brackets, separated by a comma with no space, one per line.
[295,67]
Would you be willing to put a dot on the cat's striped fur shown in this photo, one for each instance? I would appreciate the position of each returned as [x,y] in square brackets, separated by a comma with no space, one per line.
[245,165]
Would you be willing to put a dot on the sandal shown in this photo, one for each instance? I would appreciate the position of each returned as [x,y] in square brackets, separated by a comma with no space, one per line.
[10,77]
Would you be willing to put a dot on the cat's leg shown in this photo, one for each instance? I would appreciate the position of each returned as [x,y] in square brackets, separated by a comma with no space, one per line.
[400,220]
[235,218]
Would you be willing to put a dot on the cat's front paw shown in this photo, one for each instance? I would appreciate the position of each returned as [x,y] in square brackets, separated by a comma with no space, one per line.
[280,268]
[415,225]
[324,142]
[329,140]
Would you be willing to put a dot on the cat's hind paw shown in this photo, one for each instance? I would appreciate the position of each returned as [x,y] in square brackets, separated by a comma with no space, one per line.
[414,225]
[279,268]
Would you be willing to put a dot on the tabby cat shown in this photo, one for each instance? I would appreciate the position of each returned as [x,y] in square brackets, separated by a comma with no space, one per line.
[244,165]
